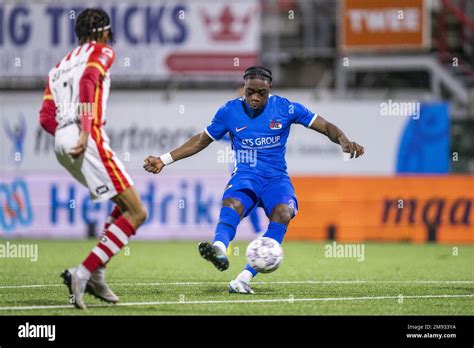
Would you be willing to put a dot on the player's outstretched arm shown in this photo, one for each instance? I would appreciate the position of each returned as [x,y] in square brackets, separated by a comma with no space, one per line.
[337,136]
[190,147]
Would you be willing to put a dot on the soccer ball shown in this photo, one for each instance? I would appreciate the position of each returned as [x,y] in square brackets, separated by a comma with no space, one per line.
[264,254]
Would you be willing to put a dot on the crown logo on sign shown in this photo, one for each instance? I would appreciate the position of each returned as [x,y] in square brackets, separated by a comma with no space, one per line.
[226,26]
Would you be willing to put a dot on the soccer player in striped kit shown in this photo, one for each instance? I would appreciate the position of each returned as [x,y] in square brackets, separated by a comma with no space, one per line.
[73,111]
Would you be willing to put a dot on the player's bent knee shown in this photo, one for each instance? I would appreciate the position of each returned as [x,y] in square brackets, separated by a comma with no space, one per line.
[138,215]
[233,204]
[141,215]
[282,213]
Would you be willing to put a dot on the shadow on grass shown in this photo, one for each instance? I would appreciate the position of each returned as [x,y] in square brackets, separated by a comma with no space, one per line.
[268,291]
[215,289]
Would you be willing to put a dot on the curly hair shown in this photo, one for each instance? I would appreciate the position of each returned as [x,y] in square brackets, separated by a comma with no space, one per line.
[91,24]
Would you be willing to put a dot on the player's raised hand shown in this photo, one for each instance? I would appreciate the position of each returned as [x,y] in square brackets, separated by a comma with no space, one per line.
[81,145]
[153,164]
[351,147]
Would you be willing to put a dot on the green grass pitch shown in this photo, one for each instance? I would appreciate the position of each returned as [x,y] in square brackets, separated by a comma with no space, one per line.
[170,278]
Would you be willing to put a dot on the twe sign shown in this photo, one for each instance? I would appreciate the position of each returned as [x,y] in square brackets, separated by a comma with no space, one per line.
[384,25]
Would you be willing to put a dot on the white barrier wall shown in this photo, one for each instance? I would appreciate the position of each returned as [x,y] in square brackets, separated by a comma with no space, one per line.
[141,123]
[53,205]
[39,199]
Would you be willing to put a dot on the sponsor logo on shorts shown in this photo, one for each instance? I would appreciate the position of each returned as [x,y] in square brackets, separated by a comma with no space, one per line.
[291,204]
[102,189]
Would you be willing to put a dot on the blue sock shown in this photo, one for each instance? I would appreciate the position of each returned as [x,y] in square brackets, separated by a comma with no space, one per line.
[276,231]
[251,270]
[227,225]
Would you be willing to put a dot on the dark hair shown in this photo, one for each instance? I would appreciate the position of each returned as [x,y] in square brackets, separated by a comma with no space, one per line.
[91,24]
[258,72]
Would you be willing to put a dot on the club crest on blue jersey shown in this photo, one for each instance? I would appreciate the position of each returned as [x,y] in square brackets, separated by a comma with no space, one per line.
[275,124]
[267,133]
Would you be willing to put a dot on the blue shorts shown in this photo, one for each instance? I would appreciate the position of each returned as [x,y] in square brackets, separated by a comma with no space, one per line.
[252,191]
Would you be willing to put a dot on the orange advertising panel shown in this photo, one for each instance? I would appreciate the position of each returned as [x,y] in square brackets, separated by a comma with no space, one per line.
[384,24]
[384,208]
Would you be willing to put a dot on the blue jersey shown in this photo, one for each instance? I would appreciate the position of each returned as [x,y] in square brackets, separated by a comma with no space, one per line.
[259,143]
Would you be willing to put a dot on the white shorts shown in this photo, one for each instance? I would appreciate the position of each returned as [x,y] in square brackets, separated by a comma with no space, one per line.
[98,168]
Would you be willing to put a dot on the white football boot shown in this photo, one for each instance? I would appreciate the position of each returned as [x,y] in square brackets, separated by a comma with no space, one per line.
[98,287]
[76,287]
[240,287]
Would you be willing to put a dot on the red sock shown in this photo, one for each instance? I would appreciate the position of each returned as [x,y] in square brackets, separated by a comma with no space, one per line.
[114,215]
[111,242]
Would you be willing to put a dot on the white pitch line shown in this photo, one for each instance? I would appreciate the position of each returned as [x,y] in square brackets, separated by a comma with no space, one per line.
[288,300]
[295,282]
[29,286]
[368,282]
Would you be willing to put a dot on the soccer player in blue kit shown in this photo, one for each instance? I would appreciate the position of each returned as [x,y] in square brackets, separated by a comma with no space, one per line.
[258,124]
